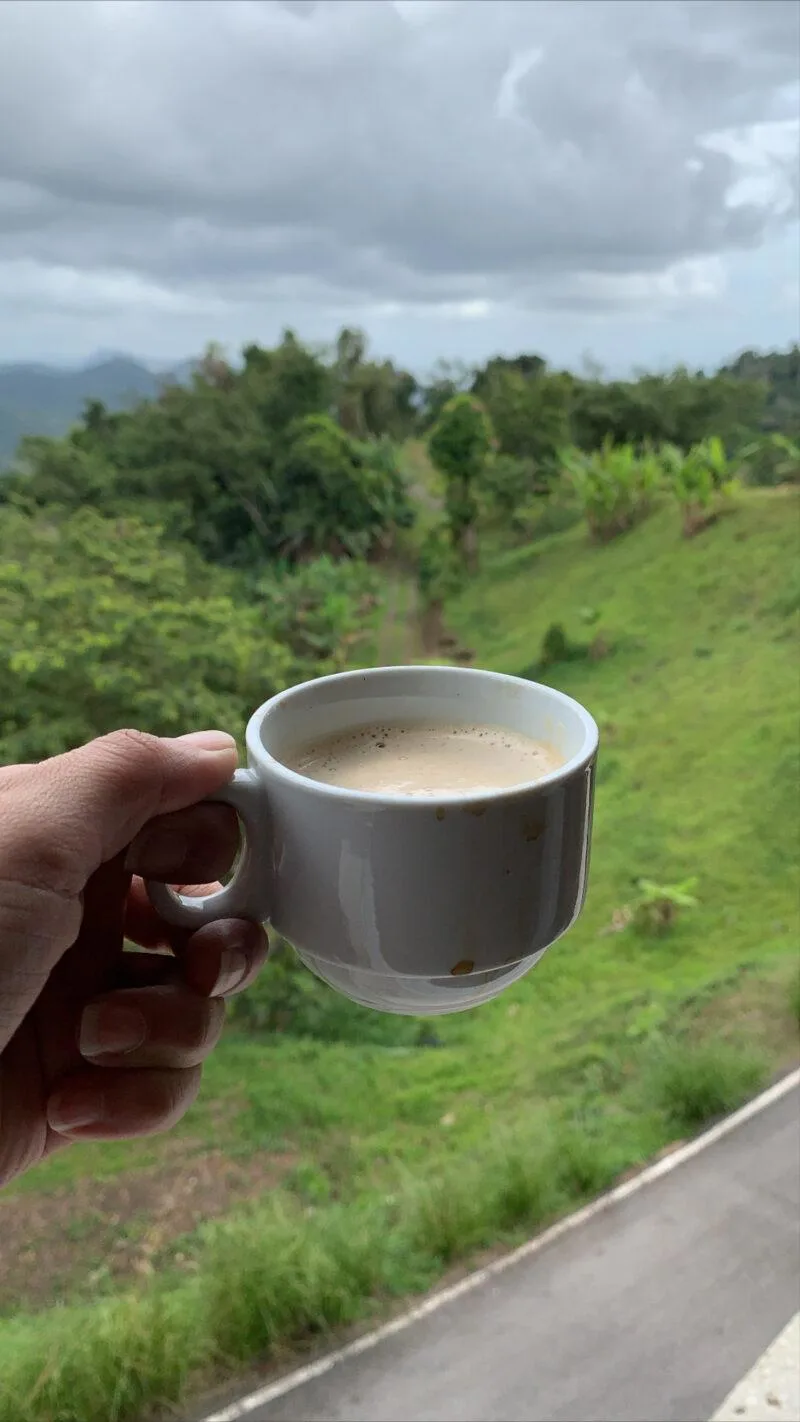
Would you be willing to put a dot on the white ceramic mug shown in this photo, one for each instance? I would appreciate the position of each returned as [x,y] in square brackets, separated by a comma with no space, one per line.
[411,905]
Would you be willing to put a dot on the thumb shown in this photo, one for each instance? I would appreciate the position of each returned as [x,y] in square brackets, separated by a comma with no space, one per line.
[63,818]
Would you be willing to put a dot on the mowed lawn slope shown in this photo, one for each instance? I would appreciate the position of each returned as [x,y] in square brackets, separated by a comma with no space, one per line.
[698,700]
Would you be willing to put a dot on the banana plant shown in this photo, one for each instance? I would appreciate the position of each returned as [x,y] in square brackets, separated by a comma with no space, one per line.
[657,905]
[699,480]
[614,485]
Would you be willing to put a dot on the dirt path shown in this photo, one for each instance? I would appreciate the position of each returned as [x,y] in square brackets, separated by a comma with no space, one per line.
[93,1234]
[413,650]
[386,635]
[398,641]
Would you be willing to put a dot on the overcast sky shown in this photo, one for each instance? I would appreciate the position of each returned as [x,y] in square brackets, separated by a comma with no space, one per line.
[460,177]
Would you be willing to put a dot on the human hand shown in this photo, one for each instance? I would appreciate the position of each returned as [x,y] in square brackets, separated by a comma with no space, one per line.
[97,1043]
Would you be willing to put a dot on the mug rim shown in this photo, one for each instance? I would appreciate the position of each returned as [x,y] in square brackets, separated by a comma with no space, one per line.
[259,755]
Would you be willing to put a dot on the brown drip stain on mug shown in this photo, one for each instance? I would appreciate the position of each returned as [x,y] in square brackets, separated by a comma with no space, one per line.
[440,813]
[465,966]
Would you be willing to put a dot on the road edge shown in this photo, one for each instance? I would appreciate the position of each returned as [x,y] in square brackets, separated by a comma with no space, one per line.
[648,1175]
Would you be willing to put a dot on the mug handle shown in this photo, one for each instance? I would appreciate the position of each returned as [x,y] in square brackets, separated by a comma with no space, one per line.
[247,895]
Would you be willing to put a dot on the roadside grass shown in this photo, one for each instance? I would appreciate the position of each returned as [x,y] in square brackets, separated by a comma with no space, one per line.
[281,1273]
[392,1162]
[712,1079]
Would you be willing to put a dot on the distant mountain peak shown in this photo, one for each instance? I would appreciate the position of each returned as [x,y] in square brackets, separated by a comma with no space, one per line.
[37,398]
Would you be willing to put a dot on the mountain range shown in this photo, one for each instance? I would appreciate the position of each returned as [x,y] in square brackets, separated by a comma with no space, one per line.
[46,400]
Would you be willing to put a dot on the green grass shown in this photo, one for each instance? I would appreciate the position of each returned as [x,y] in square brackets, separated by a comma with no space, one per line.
[694,1087]
[406,1158]
[282,1273]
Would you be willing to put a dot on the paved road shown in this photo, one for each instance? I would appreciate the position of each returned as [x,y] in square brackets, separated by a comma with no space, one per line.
[649,1312]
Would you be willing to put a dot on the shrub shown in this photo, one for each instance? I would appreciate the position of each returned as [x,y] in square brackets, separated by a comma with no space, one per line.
[440,573]
[656,906]
[557,647]
[555,514]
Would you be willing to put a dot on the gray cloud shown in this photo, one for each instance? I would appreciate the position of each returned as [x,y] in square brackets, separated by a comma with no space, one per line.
[551,153]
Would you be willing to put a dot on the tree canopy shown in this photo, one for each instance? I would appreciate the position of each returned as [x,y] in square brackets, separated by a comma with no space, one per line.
[173,563]
[105,622]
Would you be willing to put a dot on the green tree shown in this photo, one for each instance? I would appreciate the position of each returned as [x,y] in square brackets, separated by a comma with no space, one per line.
[530,415]
[681,408]
[440,575]
[58,471]
[373,399]
[387,400]
[509,487]
[448,378]
[286,383]
[777,373]
[350,352]
[245,464]
[105,623]
[459,445]
[336,495]
[771,459]
[527,366]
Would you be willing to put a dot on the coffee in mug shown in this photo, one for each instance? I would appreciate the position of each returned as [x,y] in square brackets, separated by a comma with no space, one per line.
[424,758]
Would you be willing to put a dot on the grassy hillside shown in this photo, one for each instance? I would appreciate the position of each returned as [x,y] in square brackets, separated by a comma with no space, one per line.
[387,1162]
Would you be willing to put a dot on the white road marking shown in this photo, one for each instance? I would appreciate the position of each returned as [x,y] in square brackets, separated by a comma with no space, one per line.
[245,1405]
[770,1392]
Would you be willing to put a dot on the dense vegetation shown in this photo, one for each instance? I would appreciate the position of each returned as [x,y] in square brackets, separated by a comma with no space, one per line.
[171,565]
[253,498]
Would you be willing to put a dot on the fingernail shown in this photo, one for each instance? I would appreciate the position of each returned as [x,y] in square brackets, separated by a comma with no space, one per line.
[157,850]
[209,740]
[110,1027]
[74,1107]
[232,967]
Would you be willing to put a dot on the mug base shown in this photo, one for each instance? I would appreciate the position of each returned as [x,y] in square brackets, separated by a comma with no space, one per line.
[408,996]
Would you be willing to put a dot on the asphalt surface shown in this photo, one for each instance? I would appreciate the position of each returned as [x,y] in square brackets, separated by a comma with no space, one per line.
[649,1312]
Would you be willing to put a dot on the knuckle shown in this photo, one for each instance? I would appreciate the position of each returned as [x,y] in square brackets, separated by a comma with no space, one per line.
[134,759]
[174,1091]
[34,854]
[138,750]
[183,1028]
[207,1027]
[48,862]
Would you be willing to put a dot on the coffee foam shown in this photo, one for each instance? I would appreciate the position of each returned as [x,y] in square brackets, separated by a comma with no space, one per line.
[425,759]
